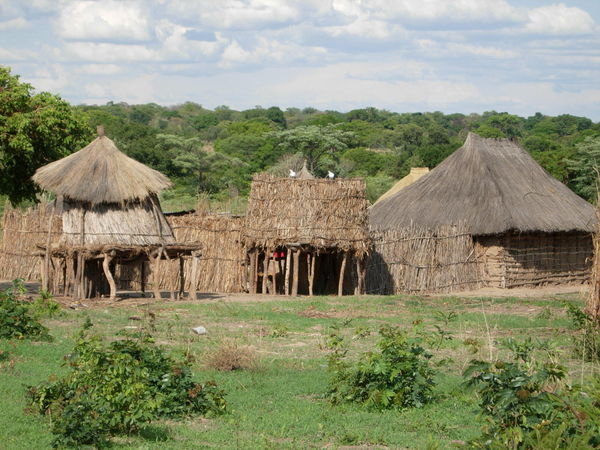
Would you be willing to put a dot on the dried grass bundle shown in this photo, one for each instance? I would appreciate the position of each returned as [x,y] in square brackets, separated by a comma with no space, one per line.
[320,213]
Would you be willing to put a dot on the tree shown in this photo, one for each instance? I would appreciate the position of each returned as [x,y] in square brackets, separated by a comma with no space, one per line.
[313,142]
[35,129]
[585,165]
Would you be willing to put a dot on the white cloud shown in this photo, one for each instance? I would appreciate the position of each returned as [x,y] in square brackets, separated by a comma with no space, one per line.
[100,69]
[14,24]
[560,19]
[366,28]
[429,10]
[478,50]
[107,52]
[175,44]
[268,51]
[108,20]
[236,14]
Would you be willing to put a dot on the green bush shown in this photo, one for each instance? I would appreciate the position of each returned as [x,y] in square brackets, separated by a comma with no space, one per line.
[17,320]
[526,406]
[118,387]
[396,375]
[586,341]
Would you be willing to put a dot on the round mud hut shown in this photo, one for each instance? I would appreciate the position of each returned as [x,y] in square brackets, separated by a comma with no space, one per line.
[488,215]
[111,216]
[306,235]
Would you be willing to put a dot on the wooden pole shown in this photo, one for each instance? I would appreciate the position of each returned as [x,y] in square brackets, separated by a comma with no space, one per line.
[296,256]
[288,262]
[111,281]
[252,272]
[181,278]
[156,275]
[265,271]
[274,273]
[46,266]
[143,274]
[194,278]
[342,272]
[76,276]
[360,276]
[312,260]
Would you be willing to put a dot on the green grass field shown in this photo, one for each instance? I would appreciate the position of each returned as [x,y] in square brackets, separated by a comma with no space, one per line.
[279,403]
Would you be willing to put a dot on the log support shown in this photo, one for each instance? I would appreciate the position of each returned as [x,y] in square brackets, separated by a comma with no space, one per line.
[296,256]
[194,275]
[108,257]
[288,263]
[342,273]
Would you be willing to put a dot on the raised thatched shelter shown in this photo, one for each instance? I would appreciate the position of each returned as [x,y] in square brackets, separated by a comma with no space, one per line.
[110,214]
[414,174]
[527,227]
[307,236]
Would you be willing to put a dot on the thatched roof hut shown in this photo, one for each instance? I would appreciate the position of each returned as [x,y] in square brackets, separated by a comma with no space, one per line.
[414,175]
[308,216]
[526,227]
[116,194]
[110,214]
[492,185]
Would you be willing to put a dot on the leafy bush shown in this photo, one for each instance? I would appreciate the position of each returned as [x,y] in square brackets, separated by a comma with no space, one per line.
[17,320]
[43,306]
[526,408]
[116,388]
[586,342]
[397,375]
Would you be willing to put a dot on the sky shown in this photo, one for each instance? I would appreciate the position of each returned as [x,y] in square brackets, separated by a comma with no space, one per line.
[467,56]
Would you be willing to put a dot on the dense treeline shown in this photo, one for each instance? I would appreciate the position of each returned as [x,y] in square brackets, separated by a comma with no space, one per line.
[217,151]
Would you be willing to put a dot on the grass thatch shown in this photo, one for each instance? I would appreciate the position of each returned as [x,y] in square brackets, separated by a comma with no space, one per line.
[492,186]
[414,175]
[100,173]
[132,223]
[319,213]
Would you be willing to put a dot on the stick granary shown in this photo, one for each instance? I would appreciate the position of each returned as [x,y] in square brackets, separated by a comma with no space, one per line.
[306,235]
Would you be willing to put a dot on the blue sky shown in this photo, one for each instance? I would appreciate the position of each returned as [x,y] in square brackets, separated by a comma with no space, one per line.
[402,55]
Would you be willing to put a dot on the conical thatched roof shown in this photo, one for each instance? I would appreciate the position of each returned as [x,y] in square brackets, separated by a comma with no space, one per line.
[492,186]
[304,173]
[100,173]
[414,175]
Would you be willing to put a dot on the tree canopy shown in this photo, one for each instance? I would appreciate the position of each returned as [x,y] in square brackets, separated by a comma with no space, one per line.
[35,129]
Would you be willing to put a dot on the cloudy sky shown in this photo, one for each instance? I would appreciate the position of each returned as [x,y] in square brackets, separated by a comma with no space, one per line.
[519,56]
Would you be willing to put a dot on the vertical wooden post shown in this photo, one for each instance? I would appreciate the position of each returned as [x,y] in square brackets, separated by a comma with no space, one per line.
[274,273]
[252,272]
[359,275]
[194,276]
[311,273]
[181,277]
[143,275]
[288,261]
[111,281]
[296,256]
[265,270]
[342,272]
[47,256]
[156,273]
[76,271]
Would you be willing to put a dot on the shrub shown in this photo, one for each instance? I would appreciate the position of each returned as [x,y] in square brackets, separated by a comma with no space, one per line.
[232,356]
[526,408]
[586,341]
[116,388]
[17,320]
[396,375]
